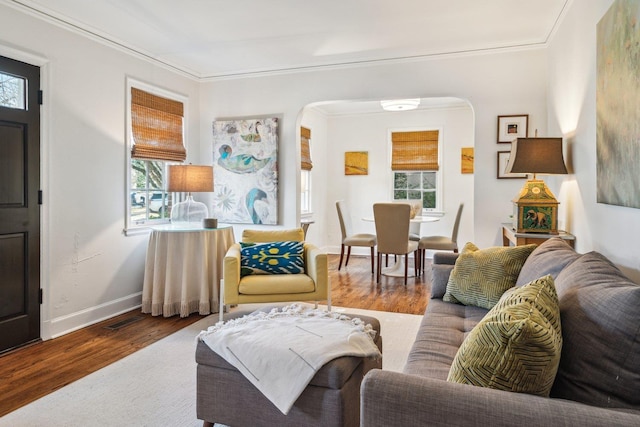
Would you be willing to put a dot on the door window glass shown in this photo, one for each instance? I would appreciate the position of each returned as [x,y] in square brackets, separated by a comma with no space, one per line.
[12,91]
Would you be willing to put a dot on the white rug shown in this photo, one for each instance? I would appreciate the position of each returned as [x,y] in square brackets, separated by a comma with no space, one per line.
[156,386]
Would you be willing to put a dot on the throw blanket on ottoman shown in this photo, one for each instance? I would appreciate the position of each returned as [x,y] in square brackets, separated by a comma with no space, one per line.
[279,352]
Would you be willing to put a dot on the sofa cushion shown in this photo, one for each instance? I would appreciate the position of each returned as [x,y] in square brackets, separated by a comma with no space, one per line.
[600,310]
[480,277]
[441,268]
[271,258]
[443,328]
[549,258]
[516,347]
[276,284]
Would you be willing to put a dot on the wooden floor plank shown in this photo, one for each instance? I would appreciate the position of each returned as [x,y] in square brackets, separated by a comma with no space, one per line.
[36,370]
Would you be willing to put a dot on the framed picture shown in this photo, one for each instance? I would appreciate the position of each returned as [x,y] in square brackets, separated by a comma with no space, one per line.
[356,163]
[466,165]
[503,160]
[512,127]
[245,167]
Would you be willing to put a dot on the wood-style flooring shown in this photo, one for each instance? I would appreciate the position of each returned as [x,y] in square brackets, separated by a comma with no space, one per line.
[34,371]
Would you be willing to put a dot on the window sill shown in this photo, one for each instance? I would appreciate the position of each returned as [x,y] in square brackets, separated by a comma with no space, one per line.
[433,213]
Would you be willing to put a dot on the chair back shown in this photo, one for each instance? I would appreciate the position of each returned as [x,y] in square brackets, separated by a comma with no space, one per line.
[345,219]
[265,236]
[392,227]
[456,225]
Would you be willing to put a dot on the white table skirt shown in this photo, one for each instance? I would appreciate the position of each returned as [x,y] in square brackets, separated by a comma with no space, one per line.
[183,270]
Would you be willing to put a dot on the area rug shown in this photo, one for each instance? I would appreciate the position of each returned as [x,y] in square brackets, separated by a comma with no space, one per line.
[156,386]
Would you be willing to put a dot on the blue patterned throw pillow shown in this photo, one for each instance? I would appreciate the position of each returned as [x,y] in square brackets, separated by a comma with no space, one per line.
[271,258]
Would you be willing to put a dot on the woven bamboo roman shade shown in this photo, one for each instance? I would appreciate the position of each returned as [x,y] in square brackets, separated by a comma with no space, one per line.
[414,150]
[305,149]
[157,127]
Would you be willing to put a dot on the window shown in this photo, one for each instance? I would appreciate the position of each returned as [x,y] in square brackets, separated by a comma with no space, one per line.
[149,201]
[305,170]
[12,91]
[305,192]
[415,166]
[416,185]
[155,132]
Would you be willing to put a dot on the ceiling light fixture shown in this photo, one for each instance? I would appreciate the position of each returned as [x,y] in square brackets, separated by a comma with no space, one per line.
[400,104]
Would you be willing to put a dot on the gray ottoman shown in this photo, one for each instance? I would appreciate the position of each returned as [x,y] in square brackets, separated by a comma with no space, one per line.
[332,398]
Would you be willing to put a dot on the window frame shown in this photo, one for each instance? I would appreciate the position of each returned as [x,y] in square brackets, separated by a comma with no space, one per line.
[439,173]
[305,193]
[138,227]
[306,166]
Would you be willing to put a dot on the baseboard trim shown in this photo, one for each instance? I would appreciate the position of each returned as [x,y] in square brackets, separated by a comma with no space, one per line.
[72,322]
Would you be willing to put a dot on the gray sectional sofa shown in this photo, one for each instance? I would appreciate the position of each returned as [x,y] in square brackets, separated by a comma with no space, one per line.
[598,378]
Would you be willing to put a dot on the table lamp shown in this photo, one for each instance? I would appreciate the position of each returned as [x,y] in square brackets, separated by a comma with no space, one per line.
[536,208]
[190,179]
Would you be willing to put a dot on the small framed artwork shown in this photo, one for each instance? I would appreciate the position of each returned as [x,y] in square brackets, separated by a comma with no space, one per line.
[503,160]
[466,160]
[512,127]
[356,163]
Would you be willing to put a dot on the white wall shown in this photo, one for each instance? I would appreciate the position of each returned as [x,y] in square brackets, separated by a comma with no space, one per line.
[612,230]
[494,84]
[90,269]
[369,132]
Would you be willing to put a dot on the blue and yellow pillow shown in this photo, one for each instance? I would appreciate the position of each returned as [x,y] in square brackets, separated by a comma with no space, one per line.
[271,258]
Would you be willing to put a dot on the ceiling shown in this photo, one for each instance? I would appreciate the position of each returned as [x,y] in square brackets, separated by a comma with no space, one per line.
[211,39]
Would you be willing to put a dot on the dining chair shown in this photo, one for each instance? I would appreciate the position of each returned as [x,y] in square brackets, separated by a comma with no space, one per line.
[440,243]
[392,231]
[349,238]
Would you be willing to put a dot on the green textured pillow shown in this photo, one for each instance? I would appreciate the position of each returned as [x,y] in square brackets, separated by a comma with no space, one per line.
[517,345]
[271,258]
[480,277]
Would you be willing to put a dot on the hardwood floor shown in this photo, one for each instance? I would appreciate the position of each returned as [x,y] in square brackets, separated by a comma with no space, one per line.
[355,286]
[34,371]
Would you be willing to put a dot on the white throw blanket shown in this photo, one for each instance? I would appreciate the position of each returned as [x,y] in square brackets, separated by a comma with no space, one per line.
[281,351]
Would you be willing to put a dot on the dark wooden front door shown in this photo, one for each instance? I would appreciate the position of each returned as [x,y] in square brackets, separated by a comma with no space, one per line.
[19,203]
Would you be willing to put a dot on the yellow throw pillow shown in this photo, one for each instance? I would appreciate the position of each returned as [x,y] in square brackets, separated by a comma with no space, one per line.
[480,277]
[517,345]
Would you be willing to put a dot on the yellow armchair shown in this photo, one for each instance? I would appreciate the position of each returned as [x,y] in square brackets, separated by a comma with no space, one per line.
[312,285]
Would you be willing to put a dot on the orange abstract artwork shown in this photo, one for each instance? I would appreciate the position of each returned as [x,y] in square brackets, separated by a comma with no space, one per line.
[467,160]
[356,163]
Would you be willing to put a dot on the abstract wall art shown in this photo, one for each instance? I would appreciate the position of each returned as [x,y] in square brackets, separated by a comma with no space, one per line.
[466,160]
[356,163]
[618,105]
[245,164]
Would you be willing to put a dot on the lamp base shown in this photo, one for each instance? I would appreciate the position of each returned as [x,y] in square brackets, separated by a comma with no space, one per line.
[535,209]
[189,211]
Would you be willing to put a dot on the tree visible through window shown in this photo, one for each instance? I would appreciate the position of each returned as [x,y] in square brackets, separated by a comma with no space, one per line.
[416,185]
[149,200]
[12,91]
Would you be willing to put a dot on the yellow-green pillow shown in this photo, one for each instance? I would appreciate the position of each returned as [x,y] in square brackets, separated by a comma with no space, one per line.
[517,345]
[480,277]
